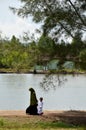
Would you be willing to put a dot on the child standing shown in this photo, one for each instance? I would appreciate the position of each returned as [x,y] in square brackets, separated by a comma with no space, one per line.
[40,106]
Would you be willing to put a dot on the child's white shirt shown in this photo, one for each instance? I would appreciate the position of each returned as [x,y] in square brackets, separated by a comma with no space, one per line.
[40,107]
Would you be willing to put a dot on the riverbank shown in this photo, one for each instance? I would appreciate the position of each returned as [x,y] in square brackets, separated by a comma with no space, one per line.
[76,118]
[25,71]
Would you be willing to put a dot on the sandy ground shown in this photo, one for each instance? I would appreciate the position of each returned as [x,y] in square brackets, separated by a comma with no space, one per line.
[58,113]
[72,117]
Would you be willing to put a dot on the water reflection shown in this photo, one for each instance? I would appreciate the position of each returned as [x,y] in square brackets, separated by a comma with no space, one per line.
[53,81]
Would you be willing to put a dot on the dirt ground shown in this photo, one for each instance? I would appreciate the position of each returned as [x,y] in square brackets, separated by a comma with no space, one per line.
[72,117]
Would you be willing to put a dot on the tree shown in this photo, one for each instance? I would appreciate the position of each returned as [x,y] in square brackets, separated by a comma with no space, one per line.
[82,57]
[46,46]
[76,45]
[59,16]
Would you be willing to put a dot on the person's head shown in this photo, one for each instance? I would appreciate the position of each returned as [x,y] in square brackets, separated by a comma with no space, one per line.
[41,99]
[31,90]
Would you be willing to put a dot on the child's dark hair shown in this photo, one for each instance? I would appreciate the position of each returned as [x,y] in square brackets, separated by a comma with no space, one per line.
[41,98]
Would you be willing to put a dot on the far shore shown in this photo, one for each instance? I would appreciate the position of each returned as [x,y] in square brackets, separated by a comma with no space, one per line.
[4,71]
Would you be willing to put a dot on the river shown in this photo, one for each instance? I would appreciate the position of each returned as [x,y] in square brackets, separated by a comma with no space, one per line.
[68,92]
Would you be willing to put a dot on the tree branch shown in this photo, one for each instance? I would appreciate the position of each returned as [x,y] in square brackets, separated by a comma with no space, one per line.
[77,13]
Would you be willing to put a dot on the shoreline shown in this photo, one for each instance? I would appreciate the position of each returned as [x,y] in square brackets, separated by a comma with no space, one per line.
[73,117]
[63,71]
[46,112]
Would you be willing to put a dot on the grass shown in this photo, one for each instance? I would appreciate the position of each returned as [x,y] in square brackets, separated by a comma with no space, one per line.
[34,123]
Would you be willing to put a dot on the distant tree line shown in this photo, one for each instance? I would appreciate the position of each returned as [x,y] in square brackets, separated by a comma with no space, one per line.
[19,57]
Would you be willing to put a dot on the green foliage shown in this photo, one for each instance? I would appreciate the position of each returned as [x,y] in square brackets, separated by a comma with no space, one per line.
[14,55]
[58,17]
[23,57]
[82,58]
[83,55]
[46,46]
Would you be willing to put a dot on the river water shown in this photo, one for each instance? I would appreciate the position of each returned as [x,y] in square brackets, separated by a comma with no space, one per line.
[68,92]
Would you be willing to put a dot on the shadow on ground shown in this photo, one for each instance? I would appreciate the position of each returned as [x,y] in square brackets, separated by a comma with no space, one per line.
[71,117]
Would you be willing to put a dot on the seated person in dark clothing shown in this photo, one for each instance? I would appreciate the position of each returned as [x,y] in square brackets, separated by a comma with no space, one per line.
[32,109]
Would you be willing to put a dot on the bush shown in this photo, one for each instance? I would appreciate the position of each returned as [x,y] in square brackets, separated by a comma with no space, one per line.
[82,57]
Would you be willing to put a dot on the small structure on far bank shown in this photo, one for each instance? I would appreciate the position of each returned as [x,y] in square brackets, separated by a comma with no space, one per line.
[51,65]
[69,65]
[54,65]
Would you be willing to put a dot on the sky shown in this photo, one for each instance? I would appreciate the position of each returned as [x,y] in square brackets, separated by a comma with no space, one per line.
[11,24]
